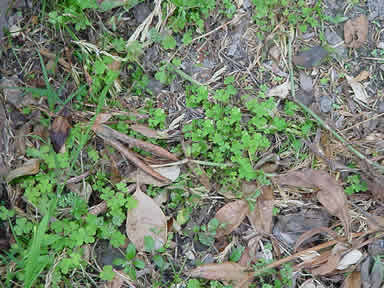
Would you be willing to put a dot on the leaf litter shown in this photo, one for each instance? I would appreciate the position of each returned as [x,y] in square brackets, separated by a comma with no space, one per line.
[255,216]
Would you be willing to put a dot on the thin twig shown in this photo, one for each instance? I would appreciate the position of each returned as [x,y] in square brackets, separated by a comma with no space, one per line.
[318,119]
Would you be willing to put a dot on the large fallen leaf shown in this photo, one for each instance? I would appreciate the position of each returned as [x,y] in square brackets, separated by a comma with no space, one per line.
[146,219]
[280,91]
[331,194]
[231,215]
[31,167]
[358,89]
[227,271]
[356,31]
[170,172]
[261,216]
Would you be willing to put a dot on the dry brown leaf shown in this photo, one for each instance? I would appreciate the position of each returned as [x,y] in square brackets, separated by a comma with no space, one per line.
[59,132]
[146,219]
[146,131]
[356,31]
[170,172]
[358,89]
[227,271]
[331,194]
[100,119]
[261,216]
[364,75]
[353,280]
[280,91]
[333,261]
[30,167]
[231,215]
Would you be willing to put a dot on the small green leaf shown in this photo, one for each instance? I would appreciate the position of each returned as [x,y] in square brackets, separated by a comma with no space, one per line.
[138,264]
[130,252]
[107,273]
[168,42]
[193,283]
[236,254]
[149,243]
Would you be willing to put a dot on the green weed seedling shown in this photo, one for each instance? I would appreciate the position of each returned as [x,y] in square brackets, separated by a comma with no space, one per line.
[355,184]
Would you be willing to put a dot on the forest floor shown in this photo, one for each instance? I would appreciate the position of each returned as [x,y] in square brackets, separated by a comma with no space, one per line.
[202,143]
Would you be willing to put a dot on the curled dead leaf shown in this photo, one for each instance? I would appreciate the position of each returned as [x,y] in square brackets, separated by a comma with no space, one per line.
[356,31]
[30,167]
[227,271]
[59,132]
[146,219]
[231,215]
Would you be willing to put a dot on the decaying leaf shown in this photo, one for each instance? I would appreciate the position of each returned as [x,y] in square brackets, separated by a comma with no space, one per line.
[261,216]
[331,194]
[349,259]
[59,132]
[353,280]
[280,91]
[100,119]
[358,89]
[231,215]
[356,31]
[227,271]
[170,172]
[363,75]
[306,82]
[275,54]
[146,219]
[30,167]
[332,262]
[310,58]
